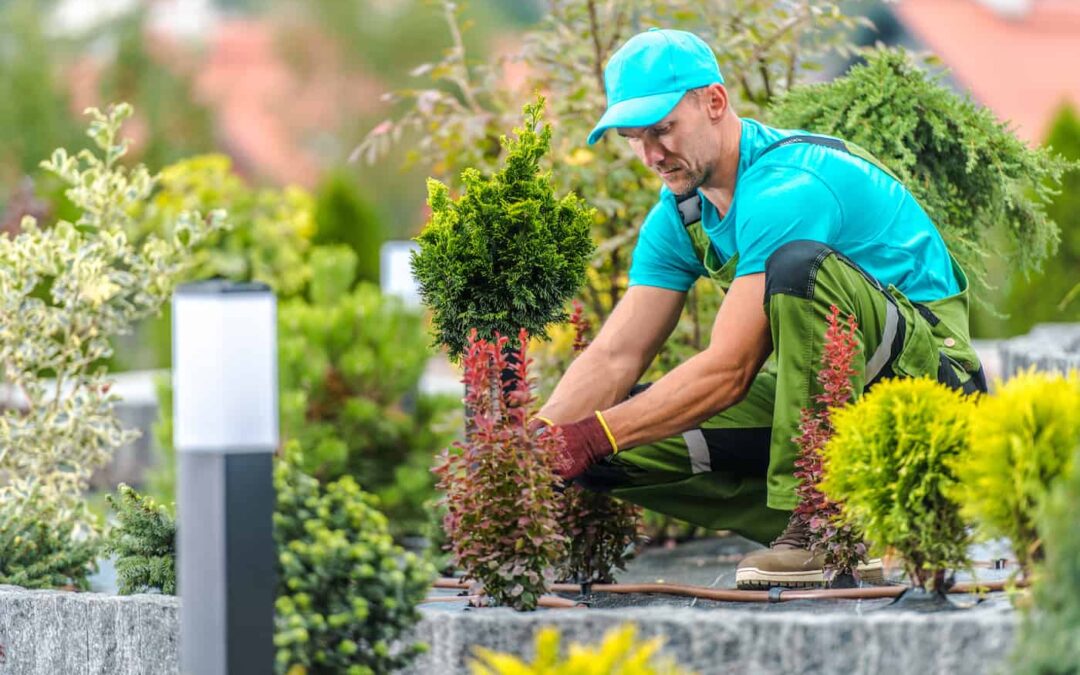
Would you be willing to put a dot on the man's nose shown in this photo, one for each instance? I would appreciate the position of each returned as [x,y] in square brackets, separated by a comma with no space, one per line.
[652,152]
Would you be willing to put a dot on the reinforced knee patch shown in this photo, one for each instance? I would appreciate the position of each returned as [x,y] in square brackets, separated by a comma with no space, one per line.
[792,268]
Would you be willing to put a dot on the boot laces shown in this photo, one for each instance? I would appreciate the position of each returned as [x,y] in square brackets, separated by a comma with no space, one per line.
[795,535]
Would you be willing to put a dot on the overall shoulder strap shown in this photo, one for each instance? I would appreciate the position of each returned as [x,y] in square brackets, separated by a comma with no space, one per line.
[835,144]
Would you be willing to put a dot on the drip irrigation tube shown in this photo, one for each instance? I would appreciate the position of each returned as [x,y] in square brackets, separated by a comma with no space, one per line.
[551,601]
[772,595]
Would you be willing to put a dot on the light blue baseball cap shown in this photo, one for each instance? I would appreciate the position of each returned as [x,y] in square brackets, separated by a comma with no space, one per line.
[649,74]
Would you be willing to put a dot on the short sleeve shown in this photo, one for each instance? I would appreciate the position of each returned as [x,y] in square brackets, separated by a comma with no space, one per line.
[664,256]
[778,204]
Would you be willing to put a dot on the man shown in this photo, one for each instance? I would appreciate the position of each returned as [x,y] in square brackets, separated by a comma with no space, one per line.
[788,224]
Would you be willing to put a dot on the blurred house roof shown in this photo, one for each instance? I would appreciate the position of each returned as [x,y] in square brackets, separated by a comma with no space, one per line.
[279,94]
[1017,57]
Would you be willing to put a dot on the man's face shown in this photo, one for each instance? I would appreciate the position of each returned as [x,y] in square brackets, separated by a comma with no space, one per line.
[676,147]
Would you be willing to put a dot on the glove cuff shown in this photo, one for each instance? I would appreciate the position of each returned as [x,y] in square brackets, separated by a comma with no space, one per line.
[607,432]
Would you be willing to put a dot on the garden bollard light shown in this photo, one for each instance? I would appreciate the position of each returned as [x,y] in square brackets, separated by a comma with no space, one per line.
[395,271]
[225,412]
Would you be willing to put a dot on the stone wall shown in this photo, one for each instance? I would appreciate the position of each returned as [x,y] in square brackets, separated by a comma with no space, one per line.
[49,632]
[57,632]
[1049,346]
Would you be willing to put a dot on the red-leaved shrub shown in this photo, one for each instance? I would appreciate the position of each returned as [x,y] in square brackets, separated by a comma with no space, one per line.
[843,546]
[502,507]
[600,530]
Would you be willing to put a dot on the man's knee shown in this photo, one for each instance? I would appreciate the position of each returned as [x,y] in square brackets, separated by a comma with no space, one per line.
[792,269]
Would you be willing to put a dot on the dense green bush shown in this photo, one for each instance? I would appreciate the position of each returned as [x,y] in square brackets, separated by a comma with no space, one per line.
[1040,298]
[507,254]
[502,509]
[1021,440]
[350,363]
[889,464]
[969,171]
[270,232]
[144,543]
[1049,641]
[44,546]
[346,594]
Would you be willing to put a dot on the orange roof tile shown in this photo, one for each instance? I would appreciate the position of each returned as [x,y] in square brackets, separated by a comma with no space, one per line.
[1021,68]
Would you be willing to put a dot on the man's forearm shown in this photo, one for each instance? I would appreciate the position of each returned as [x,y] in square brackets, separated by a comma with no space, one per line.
[594,381]
[681,400]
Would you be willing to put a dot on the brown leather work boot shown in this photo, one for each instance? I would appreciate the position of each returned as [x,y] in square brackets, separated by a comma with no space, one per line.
[789,563]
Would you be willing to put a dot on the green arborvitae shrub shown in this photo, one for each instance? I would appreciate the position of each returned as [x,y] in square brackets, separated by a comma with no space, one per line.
[507,254]
[347,594]
[144,543]
[45,546]
[620,652]
[502,509]
[350,363]
[1040,298]
[1021,441]
[970,173]
[343,216]
[889,464]
[1049,641]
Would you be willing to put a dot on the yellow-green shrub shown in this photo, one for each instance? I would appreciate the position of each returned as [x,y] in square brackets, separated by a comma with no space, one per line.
[620,652]
[1049,640]
[890,463]
[1021,440]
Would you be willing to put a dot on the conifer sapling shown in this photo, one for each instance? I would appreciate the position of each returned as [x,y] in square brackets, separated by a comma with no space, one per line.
[144,543]
[506,254]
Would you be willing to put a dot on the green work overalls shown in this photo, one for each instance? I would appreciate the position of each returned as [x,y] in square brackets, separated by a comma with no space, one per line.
[736,471]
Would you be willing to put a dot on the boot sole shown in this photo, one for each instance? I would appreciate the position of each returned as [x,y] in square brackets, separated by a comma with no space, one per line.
[754,578]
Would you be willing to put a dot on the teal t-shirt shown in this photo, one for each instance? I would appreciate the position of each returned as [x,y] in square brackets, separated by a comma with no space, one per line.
[801,191]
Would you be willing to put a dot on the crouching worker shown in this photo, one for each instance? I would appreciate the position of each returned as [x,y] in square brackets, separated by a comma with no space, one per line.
[788,224]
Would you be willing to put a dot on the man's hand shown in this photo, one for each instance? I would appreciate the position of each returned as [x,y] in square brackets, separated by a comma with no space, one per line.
[584,443]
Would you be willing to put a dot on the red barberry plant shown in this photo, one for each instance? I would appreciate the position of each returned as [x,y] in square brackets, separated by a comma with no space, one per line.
[499,484]
[600,530]
[842,545]
[582,327]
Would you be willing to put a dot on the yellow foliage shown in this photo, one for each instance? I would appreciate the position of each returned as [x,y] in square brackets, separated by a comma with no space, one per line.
[620,653]
[1021,441]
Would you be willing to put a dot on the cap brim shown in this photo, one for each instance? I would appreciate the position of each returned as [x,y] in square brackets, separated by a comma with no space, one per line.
[636,112]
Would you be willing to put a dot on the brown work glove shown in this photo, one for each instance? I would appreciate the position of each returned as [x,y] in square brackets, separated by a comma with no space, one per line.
[585,443]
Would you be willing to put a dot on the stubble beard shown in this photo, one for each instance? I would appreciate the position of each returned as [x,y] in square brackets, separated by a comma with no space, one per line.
[690,183]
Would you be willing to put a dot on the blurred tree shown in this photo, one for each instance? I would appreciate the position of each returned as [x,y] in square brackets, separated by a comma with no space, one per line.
[1040,297]
[35,112]
[343,216]
[177,126]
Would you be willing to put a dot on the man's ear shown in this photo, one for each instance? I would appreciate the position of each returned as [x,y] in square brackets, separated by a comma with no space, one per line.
[716,101]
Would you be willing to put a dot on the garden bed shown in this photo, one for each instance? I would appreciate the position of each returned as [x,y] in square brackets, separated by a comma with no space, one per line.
[54,631]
